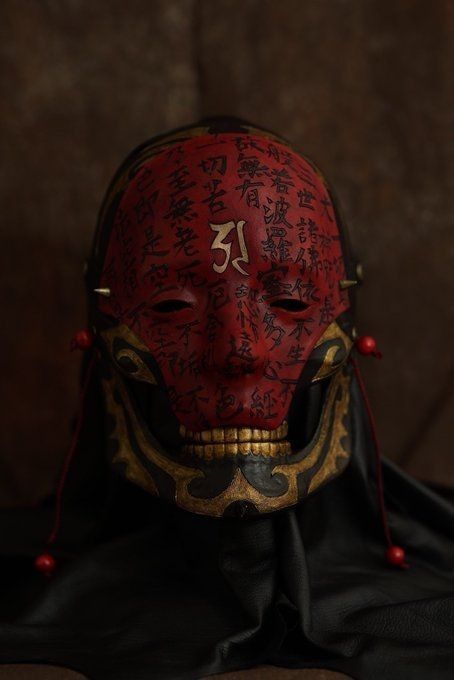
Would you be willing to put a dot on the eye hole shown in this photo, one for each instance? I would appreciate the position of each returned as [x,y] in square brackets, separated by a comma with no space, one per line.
[167,306]
[289,305]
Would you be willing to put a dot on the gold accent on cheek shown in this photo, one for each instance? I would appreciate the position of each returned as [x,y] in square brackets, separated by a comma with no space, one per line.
[327,365]
[333,332]
[124,333]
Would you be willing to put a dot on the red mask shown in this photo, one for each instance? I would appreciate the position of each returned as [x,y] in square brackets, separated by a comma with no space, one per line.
[224,269]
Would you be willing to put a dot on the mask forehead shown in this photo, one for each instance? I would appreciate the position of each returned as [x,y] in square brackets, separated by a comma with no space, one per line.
[237,207]
[229,224]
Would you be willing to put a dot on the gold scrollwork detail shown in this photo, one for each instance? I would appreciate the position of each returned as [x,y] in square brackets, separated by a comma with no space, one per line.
[329,437]
[142,371]
[329,365]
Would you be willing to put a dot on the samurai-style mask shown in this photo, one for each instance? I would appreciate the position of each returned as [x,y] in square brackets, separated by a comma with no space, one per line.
[218,287]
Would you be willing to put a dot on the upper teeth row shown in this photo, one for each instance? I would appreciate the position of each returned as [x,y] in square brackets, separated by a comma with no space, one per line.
[235,434]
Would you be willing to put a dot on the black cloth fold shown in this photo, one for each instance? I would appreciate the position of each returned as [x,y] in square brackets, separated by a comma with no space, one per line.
[145,590]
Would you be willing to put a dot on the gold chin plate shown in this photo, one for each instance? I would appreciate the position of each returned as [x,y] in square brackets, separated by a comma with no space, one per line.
[328,441]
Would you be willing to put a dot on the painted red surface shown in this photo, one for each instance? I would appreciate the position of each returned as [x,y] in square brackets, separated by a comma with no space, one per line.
[225,260]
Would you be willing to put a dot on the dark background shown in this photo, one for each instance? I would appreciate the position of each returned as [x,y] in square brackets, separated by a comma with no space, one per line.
[361,86]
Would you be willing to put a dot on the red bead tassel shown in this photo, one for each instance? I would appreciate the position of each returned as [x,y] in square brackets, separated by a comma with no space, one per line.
[82,340]
[44,562]
[395,554]
[367,346]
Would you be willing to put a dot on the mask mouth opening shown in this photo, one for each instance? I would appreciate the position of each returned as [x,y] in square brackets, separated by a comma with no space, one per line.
[152,404]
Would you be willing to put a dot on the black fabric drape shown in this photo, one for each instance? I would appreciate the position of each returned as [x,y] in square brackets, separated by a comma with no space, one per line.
[146,590]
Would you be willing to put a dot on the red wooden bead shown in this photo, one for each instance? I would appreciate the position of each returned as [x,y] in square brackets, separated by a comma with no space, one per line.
[45,563]
[366,345]
[83,339]
[395,555]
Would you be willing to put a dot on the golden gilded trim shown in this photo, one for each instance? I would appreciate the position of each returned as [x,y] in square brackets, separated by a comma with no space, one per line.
[124,333]
[337,452]
[333,332]
[340,383]
[133,469]
[180,473]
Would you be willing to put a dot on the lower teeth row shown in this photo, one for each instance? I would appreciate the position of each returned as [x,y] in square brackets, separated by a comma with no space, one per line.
[209,451]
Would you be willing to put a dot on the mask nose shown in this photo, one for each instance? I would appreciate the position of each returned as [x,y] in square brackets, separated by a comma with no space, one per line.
[239,348]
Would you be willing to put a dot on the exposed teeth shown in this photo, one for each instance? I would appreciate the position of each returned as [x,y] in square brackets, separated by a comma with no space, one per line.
[233,441]
[234,435]
[268,449]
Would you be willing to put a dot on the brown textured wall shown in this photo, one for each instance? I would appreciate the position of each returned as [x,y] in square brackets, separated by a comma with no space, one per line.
[362,86]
